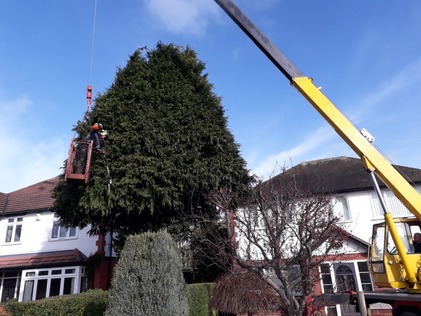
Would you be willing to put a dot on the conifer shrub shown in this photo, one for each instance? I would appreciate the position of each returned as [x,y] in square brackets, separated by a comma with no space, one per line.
[148,278]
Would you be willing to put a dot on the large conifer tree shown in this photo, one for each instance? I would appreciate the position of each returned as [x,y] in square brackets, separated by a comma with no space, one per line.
[168,147]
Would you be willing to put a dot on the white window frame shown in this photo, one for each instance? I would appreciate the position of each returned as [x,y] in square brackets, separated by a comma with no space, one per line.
[77,273]
[8,276]
[59,232]
[358,282]
[340,211]
[13,224]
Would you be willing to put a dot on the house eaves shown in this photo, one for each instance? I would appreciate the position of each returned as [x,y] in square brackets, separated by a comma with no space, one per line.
[43,260]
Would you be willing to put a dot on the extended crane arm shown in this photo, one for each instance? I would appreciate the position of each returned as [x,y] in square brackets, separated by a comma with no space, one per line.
[372,158]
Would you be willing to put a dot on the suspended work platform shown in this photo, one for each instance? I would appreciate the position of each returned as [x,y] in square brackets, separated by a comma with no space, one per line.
[79,161]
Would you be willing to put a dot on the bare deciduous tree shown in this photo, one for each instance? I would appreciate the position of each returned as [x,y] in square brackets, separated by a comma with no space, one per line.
[281,234]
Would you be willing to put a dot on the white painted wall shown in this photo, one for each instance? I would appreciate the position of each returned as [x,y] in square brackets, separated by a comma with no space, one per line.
[365,211]
[36,237]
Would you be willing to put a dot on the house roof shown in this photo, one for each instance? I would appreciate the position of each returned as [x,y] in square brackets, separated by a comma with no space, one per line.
[336,175]
[43,260]
[35,197]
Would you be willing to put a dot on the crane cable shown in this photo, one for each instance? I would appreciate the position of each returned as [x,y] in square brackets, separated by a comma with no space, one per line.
[89,97]
[93,42]
[89,87]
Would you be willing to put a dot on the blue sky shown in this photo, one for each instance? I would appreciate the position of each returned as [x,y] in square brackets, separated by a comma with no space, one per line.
[366,56]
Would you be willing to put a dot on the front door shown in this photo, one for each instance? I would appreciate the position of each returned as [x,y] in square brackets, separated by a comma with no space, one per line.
[346,281]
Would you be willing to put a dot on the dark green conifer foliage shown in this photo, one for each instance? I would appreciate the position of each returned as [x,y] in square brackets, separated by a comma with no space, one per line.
[148,278]
[169,147]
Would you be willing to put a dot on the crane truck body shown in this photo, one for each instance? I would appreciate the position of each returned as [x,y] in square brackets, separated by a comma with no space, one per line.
[392,262]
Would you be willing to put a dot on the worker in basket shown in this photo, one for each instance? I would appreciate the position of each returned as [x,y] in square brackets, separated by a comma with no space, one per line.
[97,134]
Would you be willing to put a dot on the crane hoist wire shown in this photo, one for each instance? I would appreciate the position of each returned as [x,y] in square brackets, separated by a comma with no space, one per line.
[89,87]
[80,152]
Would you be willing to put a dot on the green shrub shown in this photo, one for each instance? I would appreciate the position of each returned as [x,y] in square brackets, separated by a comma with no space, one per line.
[94,302]
[90,303]
[199,296]
[148,278]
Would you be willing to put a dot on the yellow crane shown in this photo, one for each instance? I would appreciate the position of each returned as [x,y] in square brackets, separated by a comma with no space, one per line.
[393,267]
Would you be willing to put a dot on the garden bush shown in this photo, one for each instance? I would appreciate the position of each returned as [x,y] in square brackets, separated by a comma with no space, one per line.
[148,278]
[90,303]
[94,303]
[199,296]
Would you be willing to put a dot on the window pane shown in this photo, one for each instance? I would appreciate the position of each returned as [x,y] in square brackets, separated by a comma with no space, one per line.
[68,286]
[20,219]
[44,272]
[9,234]
[365,278]
[54,232]
[41,289]
[63,232]
[55,287]
[72,232]
[367,287]
[341,208]
[324,268]
[27,291]
[327,279]
[55,272]
[362,266]
[345,283]
[9,286]
[83,284]
[18,231]
[69,271]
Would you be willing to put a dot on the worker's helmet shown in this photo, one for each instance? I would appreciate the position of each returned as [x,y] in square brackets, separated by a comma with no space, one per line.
[96,127]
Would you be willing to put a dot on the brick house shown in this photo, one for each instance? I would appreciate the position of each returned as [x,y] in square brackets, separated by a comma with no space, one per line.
[355,201]
[38,257]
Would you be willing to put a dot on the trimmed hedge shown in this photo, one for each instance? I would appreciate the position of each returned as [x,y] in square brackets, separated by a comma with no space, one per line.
[148,278]
[199,296]
[94,303]
[90,303]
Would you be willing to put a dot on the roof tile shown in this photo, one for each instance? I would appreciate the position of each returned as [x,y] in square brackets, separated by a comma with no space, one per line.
[32,198]
[45,259]
[339,174]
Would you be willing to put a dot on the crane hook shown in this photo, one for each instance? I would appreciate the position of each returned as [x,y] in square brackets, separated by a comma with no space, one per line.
[89,94]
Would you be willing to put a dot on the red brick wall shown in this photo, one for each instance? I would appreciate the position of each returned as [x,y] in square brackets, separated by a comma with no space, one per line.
[103,273]
[381,312]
